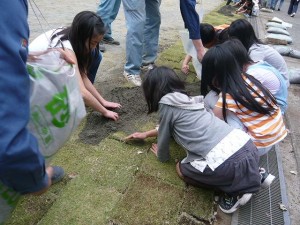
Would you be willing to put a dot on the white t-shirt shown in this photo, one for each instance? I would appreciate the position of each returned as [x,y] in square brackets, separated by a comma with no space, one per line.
[266,77]
[261,52]
[42,42]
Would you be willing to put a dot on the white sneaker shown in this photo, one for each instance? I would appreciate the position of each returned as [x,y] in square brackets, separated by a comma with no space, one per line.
[266,178]
[231,204]
[133,78]
[293,14]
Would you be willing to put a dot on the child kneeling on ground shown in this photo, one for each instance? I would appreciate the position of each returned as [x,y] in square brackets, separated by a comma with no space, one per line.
[218,156]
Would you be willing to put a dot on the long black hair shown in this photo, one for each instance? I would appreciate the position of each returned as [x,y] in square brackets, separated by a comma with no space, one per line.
[222,69]
[243,30]
[85,26]
[158,82]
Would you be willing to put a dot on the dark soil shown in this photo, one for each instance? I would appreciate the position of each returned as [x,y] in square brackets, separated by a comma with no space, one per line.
[132,116]
[227,10]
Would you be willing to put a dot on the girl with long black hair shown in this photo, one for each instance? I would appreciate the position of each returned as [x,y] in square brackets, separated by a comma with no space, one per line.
[257,50]
[82,40]
[242,94]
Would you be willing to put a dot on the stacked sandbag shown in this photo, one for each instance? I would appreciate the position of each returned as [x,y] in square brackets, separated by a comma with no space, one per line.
[277,32]
[287,51]
[278,35]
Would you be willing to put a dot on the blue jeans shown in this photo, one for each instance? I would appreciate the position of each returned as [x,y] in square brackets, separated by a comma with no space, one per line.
[94,66]
[143,23]
[108,11]
[293,7]
[269,3]
[273,4]
[280,4]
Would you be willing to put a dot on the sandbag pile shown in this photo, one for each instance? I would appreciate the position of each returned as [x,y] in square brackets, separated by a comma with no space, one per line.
[279,37]
[277,32]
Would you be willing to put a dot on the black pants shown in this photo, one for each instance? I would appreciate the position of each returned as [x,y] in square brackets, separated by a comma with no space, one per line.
[293,6]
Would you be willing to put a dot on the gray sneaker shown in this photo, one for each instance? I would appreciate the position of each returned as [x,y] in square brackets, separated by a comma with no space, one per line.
[133,78]
[110,41]
[102,46]
[58,174]
[146,67]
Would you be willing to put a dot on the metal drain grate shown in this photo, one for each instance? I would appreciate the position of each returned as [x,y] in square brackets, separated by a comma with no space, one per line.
[263,208]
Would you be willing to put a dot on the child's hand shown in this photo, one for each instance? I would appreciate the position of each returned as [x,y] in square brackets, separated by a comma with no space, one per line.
[136,135]
[185,69]
[111,115]
[154,149]
[112,105]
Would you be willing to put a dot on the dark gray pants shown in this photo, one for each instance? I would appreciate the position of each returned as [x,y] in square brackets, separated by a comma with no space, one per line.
[239,174]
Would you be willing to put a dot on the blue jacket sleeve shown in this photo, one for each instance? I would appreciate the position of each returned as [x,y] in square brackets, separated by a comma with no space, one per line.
[22,167]
[190,18]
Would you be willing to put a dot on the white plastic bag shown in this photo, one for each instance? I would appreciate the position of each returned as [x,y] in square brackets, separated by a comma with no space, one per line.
[8,201]
[201,10]
[56,104]
[190,49]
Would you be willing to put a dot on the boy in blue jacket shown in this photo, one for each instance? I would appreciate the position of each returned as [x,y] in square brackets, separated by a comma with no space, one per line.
[22,167]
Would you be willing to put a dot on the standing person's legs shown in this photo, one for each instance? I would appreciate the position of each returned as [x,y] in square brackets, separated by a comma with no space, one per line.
[290,10]
[269,4]
[295,7]
[105,10]
[113,16]
[273,4]
[264,3]
[108,11]
[151,31]
[280,4]
[135,15]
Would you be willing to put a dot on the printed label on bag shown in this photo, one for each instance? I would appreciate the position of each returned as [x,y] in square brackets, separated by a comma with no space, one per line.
[34,72]
[59,108]
[41,126]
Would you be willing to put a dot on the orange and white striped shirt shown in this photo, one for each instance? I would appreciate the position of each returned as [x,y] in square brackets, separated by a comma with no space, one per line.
[265,130]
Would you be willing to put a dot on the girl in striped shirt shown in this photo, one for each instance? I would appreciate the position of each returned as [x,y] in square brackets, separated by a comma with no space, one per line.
[242,95]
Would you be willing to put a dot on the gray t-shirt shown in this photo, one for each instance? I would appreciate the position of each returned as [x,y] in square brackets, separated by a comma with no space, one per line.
[190,124]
